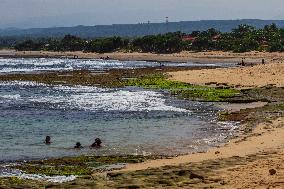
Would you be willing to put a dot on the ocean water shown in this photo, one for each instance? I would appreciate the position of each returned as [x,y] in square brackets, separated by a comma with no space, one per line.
[28,65]
[128,120]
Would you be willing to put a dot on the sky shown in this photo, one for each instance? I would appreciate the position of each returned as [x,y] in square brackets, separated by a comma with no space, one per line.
[49,13]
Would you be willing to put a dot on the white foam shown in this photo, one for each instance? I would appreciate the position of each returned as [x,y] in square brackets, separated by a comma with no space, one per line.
[6,172]
[79,88]
[46,64]
[29,61]
[127,101]
[94,98]
[27,65]
[230,128]
[21,83]
[11,97]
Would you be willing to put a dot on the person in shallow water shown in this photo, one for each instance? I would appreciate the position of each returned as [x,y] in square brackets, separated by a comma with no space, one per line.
[97,143]
[78,145]
[47,140]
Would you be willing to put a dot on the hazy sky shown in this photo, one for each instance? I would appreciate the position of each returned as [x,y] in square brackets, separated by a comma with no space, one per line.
[46,13]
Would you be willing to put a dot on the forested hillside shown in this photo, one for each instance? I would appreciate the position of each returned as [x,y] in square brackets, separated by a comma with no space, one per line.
[137,30]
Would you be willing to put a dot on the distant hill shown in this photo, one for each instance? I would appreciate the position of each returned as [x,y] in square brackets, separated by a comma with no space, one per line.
[132,30]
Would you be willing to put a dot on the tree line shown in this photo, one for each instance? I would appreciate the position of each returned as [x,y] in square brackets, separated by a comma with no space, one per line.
[244,38]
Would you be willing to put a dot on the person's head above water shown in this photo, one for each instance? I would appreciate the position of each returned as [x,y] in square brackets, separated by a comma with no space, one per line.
[78,145]
[47,140]
[97,143]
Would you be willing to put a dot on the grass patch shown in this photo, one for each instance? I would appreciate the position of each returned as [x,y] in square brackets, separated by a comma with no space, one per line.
[280,106]
[62,170]
[81,165]
[185,90]
[16,180]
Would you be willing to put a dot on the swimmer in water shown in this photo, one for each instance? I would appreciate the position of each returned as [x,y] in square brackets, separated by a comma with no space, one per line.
[47,140]
[97,143]
[78,145]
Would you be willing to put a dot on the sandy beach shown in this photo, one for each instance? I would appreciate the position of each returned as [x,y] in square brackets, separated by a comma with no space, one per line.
[241,77]
[186,56]
[266,139]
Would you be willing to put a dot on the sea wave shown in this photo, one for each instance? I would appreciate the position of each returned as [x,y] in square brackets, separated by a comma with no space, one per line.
[8,172]
[27,65]
[47,64]
[89,98]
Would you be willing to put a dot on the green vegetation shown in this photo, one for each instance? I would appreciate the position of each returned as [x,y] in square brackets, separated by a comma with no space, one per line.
[16,180]
[144,77]
[167,43]
[280,106]
[62,170]
[82,165]
[10,42]
[190,175]
[73,43]
[241,39]
[159,81]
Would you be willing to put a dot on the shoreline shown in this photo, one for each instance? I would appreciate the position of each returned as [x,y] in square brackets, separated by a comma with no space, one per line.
[244,145]
[182,57]
[261,151]
[241,145]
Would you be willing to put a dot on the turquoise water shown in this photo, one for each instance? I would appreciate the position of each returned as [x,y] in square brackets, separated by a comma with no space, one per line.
[128,120]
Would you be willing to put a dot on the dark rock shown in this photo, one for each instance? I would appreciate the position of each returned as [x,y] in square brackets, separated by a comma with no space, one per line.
[183,172]
[272,171]
[113,175]
[129,187]
[193,176]
[165,182]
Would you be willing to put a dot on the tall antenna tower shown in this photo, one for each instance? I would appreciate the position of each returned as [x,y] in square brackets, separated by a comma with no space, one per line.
[167,24]
[148,27]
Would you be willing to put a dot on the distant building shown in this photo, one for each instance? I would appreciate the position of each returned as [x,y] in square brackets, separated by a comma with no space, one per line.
[216,37]
[188,38]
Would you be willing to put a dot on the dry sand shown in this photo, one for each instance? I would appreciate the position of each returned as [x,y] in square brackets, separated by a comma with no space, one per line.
[241,77]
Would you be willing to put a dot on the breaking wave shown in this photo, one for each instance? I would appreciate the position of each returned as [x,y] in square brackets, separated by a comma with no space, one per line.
[28,65]
[8,172]
[88,98]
